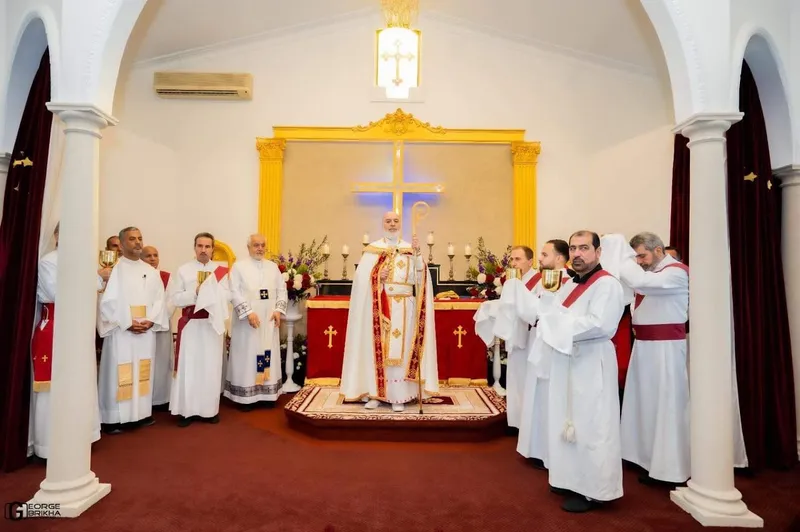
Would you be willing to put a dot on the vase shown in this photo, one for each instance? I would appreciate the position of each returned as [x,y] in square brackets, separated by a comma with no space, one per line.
[293,310]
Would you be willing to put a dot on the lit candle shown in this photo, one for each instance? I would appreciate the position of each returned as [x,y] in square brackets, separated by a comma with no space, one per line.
[451,250]
[326,249]
[365,240]
[430,238]
[467,250]
[345,250]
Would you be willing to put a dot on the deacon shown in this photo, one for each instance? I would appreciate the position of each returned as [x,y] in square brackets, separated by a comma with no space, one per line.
[42,356]
[390,325]
[162,364]
[200,288]
[532,443]
[576,325]
[259,297]
[130,312]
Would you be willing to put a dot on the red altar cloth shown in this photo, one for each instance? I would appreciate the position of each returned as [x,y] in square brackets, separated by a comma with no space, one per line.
[461,354]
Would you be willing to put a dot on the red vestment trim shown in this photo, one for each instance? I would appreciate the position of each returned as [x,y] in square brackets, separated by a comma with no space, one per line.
[533,280]
[414,369]
[187,314]
[581,288]
[660,332]
[42,346]
[379,303]
[164,278]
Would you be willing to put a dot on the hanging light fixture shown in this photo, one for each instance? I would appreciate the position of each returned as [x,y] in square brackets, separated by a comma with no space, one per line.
[397,64]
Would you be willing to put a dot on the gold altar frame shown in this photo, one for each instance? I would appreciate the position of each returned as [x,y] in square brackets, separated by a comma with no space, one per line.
[403,127]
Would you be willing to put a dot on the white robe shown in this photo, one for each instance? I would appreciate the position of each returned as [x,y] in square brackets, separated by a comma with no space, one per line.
[583,444]
[359,378]
[127,355]
[250,347]
[165,352]
[655,409]
[198,377]
[39,431]
[516,370]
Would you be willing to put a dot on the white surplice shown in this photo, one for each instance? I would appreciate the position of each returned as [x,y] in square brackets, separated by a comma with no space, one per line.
[165,353]
[39,432]
[198,376]
[516,369]
[256,288]
[126,363]
[655,409]
[359,375]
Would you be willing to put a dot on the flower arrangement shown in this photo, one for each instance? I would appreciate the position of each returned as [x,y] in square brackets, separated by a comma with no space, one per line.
[300,271]
[489,275]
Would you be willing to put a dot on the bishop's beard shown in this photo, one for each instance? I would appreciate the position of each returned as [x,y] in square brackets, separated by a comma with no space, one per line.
[391,238]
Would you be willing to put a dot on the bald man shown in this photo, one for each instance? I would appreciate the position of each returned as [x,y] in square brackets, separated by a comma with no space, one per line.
[162,367]
[259,297]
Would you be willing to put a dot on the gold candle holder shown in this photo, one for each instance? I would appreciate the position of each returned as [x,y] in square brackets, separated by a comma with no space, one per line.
[430,253]
[451,276]
[325,257]
[467,256]
[344,266]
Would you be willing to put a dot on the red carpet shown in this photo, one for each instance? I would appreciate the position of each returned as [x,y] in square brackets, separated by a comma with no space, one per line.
[251,473]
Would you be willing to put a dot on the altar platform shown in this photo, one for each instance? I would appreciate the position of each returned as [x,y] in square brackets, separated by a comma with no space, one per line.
[457,414]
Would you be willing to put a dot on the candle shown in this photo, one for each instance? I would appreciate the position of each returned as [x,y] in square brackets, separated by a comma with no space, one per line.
[467,250]
[365,240]
[345,250]
[326,249]
[451,250]
[430,238]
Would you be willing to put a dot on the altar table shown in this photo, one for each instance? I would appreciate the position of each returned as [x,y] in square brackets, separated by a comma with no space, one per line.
[461,354]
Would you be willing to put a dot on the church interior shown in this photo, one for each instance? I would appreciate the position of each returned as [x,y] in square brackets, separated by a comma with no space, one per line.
[513,122]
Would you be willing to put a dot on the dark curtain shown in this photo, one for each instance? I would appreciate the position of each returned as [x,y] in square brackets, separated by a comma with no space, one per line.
[19,257]
[679,212]
[760,322]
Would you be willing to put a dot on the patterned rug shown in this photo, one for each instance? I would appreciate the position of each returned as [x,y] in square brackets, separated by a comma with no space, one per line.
[460,404]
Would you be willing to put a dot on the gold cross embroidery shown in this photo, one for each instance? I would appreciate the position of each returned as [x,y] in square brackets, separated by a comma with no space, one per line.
[330,332]
[460,332]
[44,359]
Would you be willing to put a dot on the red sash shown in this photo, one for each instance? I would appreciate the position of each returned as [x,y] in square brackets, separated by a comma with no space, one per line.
[164,278]
[188,314]
[42,349]
[660,332]
[533,280]
[682,266]
[581,288]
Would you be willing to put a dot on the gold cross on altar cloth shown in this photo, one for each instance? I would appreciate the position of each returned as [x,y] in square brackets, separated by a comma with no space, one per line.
[330,332]
[460,332]
[397,187]
[397,56]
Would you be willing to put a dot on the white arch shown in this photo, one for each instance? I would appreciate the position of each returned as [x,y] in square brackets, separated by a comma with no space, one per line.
[757,46]
[682,58]
[38,30]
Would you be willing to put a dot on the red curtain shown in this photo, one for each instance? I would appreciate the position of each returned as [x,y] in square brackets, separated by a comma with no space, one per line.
[760,322]
[19,257]
[679,212]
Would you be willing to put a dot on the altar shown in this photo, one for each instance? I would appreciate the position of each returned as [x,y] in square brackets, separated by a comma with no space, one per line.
[461,354]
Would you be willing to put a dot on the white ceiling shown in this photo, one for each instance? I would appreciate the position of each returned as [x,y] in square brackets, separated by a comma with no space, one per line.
[614,29]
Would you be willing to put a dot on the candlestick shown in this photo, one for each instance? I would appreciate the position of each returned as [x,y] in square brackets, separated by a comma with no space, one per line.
[450,256]
[467,256]
[345,250]
[468,250]
[344,264]
[430,238]
[325,258]
[365,240]
[451,249]
[326,249]
[430,253]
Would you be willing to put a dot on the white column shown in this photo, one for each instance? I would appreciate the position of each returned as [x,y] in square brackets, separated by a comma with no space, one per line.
[5,166]
[73,393]
[790,236]
[711,496]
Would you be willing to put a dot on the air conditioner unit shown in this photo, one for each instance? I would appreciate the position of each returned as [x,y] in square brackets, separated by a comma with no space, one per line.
[203,85]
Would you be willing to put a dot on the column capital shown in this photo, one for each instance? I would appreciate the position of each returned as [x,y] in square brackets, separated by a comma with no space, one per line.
[789,175]
[270,149]
[82,117]
[701,127]
[525,152]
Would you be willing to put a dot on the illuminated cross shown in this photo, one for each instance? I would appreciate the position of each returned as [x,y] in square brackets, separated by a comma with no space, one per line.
[330,332]
[397,187]
[397,56]
[460,332]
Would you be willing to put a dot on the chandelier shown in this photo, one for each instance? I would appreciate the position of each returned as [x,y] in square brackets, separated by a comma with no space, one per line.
[397,54]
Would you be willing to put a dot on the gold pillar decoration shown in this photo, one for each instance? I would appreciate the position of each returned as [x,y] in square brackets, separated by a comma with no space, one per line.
[524,156]
[270,153]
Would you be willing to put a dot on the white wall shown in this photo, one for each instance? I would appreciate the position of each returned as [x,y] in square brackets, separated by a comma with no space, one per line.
[178,167]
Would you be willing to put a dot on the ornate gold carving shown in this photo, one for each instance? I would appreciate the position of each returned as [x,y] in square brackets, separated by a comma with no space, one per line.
[400,123]
[270,149]
[396,333]
[525,152]
[330,332]
[460,332]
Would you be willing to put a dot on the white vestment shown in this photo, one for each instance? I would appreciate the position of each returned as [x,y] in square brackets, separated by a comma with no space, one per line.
[254,364]
[655,409]
[533,431]
[198,368]
[516,370]
[39,431]
[134,292]
[165,353]
[390,379]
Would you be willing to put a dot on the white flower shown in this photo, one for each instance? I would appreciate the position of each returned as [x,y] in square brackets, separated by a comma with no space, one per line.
[283,346]
[481,278]
[298,285]
[499,290]
[298,279]
[497,281]
[285,276]
[296,356]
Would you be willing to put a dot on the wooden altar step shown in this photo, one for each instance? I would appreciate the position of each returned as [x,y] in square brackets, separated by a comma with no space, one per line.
[457,414]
